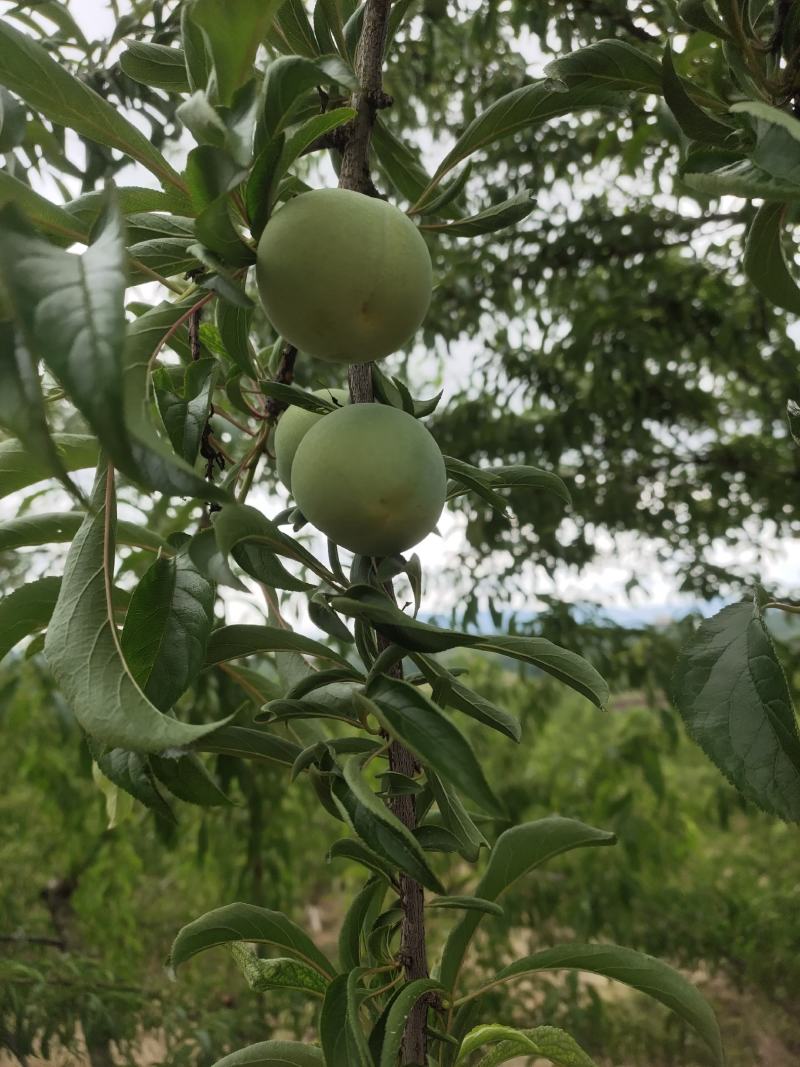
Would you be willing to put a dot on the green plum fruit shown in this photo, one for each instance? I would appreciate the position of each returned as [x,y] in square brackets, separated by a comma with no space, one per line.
[371,478]
[343,276]
[293,425]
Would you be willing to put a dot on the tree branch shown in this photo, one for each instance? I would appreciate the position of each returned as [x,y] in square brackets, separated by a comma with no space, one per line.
[354,174]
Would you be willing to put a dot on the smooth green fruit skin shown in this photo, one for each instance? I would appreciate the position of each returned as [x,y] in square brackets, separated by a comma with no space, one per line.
[343,276]
[371,478]
[293,425]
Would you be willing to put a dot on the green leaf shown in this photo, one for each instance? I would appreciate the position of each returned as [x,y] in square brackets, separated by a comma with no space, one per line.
[548,1042]
[357,922]
[486,907]
[26,610]
[634,969]
[57,527]
[279,973]
[611,64]
[83,648]
[516,852]
[301,136]
[244,533]
[233,324]
[364,602]
[530,105]
[356,851]
[198,61]
[167,256]
[131,772]
[360,1054]
[274,1054]
[19,468]
[246,922]
[398,1013]
[275,538]
[765,262]
[498,217]
[166,629]
[399,162]
[29,71]
[44,215]
[449,692]
[155,465]
[72,309]
[513,477]
[378,828]
[211,563]
[13,122]
[333,1024]
[156,65]
[22,406]
[700,17]
[233,33]
[713,173]
[249,743]
[289,78]
[415,721]
[185,414]
[777,149]
[566,666]
[696,123]
[457,821]
[186,778]
[232,642]
[733,696]
[293,30]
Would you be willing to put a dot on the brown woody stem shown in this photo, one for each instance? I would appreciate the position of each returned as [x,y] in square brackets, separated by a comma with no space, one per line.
[354,174]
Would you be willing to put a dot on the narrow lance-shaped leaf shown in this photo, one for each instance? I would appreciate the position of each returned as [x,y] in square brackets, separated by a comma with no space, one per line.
[398,1014]
[274,1054]
[635,969]
[156,65]
[516,852]
[765,261]
[83,649]
[378,828]
[19,468]
[233,33]
[246,922]
[154,463]
[232,642]
[498,217]
[166,630]
[547,1042]
[72,310]
[57,527]
[696,123]
[415,721]
[733,696]
[27,610]
[22,408]
[365,602]
[527,106]
[28,70]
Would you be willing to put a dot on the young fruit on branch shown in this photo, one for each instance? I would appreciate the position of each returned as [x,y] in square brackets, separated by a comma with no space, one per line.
[371,478]
[343,276]
[294,424]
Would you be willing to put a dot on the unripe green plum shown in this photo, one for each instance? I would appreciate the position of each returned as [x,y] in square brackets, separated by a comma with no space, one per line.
[293,425]
[343,276]
[371,478]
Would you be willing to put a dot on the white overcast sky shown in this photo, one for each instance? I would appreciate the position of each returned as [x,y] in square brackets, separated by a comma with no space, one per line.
[603,582]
